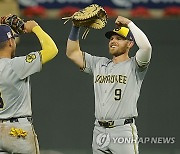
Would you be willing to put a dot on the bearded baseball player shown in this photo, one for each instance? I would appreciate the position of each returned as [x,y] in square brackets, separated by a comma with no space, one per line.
[17,135]
[117,84]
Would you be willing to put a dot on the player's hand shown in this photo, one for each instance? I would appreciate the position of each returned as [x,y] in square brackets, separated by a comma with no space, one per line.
[122,21]
[29,25]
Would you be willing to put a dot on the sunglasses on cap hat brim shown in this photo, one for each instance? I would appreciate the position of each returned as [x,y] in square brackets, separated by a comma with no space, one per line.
[124,32]
[111,33]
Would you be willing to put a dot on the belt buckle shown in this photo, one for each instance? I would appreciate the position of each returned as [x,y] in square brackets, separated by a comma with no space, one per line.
[110,124]
[107,124]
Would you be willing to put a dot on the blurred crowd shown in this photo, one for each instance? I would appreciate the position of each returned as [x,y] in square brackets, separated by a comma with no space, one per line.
[31,9]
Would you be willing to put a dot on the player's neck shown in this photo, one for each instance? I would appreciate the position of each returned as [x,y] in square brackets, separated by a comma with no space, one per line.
[5,54]
[120,58]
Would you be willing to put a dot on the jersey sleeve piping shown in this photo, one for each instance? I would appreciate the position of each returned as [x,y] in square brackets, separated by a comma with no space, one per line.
[84,62]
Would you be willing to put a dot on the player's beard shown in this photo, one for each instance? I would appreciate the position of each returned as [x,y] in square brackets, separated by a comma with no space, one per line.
[117,52]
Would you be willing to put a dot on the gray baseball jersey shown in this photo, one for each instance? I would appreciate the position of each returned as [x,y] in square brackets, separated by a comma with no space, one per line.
[15,86]
[116,86]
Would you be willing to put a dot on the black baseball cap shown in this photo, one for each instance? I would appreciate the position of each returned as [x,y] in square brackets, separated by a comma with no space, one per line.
[6,33]
[122,31]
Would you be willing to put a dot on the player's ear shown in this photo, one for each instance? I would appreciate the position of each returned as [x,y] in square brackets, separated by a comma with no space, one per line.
[130,44]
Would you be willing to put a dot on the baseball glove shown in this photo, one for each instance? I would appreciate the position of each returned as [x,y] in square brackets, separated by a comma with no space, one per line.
[16,23]
[92,16]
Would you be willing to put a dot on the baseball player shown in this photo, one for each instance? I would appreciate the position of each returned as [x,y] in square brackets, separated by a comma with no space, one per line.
[17,134]
[117,84]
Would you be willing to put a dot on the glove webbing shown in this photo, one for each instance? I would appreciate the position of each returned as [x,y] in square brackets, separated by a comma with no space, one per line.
[15,23]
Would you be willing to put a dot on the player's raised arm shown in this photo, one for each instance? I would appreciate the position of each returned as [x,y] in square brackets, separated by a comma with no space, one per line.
[73,50]
[49,49]
[143,55]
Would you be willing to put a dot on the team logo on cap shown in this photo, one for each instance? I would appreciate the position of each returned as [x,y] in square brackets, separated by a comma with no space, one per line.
[30,58]
[117,29]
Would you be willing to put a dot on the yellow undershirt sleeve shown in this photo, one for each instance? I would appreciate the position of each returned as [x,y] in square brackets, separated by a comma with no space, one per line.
[49,49]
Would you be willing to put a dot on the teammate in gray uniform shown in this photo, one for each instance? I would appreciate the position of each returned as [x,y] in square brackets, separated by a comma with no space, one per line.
[17,134]
[117,84]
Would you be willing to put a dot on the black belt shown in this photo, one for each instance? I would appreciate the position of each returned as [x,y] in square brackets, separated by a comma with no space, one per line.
[16,119]
[111,124]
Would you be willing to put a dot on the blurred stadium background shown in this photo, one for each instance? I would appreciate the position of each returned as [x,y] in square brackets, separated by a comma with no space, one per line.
[63,100]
